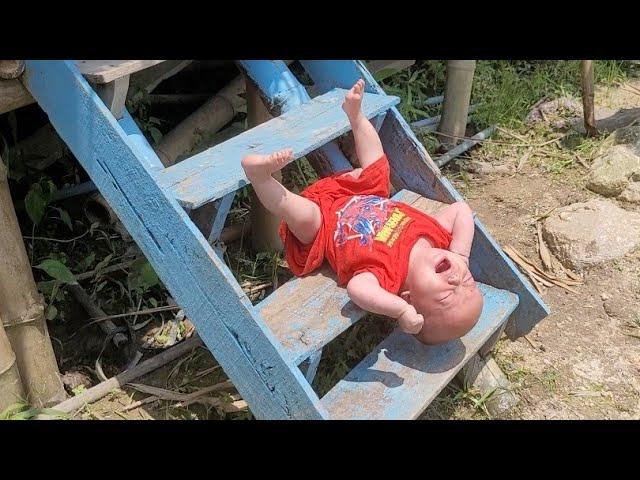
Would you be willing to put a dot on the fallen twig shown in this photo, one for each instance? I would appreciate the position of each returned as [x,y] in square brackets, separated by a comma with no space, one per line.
[536,274]
[545,255]
[148,311]
[109,269]
[98,391]
[91,308]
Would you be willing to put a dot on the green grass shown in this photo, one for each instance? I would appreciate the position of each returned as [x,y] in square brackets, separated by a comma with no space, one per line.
[23,411]
[504,89]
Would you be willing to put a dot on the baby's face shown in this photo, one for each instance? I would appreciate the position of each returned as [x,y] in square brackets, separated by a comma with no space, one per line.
[446,294]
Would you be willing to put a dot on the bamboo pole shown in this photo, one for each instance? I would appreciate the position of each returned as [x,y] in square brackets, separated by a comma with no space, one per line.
[214,114]
[588,97]
[11,390]
[455,108]
[264,232]
[22,310]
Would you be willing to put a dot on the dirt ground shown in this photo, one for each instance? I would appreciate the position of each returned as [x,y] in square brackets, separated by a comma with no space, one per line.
[581,362]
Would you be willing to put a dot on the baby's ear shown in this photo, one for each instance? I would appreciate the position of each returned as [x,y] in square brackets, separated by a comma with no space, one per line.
[406,296]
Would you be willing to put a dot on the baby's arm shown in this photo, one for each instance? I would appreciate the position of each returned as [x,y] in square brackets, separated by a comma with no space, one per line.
[366,292]
[458,219]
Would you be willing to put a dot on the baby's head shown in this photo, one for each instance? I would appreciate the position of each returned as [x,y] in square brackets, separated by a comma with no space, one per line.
[442,289]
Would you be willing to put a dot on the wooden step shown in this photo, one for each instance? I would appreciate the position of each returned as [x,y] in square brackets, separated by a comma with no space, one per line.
[216,172]
[401,376]
[308,312]
[105,71]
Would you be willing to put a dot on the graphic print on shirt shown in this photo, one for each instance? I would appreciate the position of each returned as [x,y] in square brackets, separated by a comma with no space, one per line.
[368,218]
[361,218]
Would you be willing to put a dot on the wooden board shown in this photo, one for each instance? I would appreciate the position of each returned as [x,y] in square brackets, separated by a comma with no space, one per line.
[105,71]
[401,376]
[217,171]
[198,280]
[13,95]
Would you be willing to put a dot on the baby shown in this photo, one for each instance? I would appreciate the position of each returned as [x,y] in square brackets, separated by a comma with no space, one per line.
[395,260]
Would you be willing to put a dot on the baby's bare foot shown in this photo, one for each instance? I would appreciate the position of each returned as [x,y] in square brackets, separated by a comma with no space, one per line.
[353,100]
[261,166]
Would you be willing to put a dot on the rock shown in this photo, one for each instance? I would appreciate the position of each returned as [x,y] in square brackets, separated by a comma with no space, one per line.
[563,105]
[615,307]
[75,378]
[631,194]
[585,234]
[611,172]
[477,166]
[628,136]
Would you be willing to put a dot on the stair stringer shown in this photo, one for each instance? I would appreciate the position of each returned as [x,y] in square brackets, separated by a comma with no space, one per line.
[198,280]
[413,169]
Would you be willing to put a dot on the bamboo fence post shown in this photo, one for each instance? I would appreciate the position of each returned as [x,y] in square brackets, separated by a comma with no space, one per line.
[588,97]
[11,390]
[455,107]
[22,310]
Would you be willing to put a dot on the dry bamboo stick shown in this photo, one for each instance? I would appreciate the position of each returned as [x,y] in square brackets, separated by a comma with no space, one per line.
[98,391]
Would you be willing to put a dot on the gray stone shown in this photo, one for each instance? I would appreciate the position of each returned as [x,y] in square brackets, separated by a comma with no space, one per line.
[611,172]
[631,194]
[561,106]
[484,168]
[629,136]
[585,234]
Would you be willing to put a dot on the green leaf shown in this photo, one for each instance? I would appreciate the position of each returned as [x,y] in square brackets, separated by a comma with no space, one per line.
[64,216]
[142,275]
[46,287]
[35,204]
[87,262]
[104,262]
[155,134]
[51,313]
[57,270]
[384,73]
[49,190]
[78,390]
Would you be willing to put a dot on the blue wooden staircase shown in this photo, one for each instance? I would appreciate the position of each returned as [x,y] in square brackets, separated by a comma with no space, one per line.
[262,347]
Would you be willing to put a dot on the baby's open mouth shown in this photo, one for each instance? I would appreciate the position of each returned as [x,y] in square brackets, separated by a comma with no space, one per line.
[443,265]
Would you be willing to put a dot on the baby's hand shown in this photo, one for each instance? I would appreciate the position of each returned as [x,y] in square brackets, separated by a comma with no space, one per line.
[411,321]
[464,259]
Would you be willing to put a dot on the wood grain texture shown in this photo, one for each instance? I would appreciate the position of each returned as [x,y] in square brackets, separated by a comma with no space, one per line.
[13,95]
[105,71]
[197,279]
[401,376]
[412,168]
[282,92]
[217,171]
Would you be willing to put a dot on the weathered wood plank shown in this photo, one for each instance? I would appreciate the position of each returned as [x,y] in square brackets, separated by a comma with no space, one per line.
[105,71]
[217,171]
[114,95]
[197,279]
[412,168]
[401,376]
[282,92]
[13,95]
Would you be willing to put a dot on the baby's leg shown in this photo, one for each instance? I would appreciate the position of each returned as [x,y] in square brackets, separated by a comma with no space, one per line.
[301,215]
[368,144]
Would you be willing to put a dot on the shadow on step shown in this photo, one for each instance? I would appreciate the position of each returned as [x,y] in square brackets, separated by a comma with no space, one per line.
[410,354]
